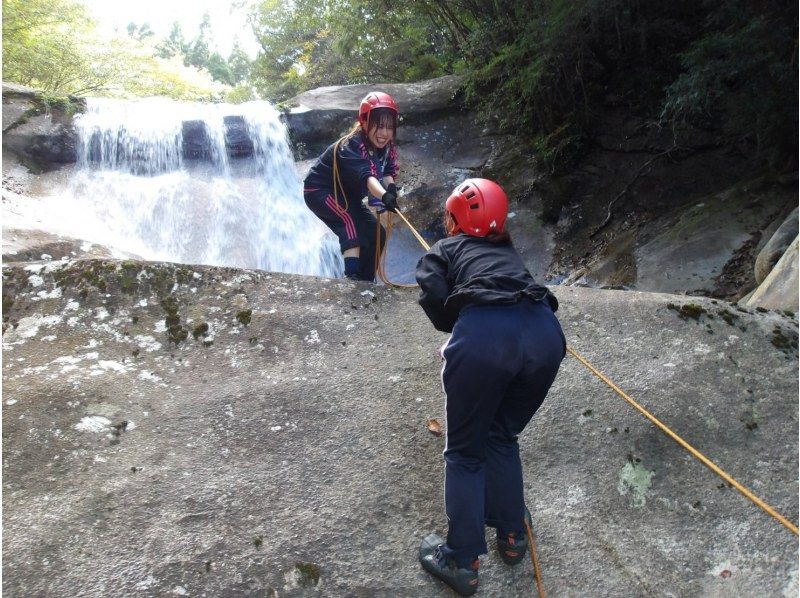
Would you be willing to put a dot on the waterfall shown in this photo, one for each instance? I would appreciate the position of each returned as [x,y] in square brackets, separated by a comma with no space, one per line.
[192,183]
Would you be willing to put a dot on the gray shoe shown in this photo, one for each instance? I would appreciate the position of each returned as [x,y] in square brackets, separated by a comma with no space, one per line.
[513,546]
[463,581]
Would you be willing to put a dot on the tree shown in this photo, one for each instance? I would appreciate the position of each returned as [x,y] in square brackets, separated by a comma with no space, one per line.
[197,51]
[309,43]
[139,32]
[173,45]
[239,63]
[53,45]
[45,45]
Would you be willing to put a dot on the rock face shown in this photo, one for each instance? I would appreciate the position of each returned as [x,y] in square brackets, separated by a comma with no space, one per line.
[682,235]
[316,114]
[705,248]
[779,290]
[205,431]
[776,246]
[37,129]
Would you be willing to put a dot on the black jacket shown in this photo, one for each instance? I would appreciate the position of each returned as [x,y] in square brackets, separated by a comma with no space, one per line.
[462,270]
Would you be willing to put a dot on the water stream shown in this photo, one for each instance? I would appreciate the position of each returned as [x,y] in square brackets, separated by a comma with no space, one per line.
[135,190]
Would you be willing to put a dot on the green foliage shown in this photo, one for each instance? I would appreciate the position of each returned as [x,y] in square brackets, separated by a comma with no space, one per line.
[44,46]
[140,32]
[740,77]
[313,43]
[54,46]
[240,94]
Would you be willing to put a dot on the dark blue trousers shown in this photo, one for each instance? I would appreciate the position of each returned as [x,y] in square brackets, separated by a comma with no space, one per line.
[499,364]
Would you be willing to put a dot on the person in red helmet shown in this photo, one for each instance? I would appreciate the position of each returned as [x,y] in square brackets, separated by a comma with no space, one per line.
[503,354]
[362,163]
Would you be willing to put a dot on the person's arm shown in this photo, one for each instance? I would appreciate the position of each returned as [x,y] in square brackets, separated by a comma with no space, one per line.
[432,277]
[387,195]
[375,188]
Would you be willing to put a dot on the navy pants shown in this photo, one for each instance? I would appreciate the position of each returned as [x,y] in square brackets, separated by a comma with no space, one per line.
[355,226]
[499,364]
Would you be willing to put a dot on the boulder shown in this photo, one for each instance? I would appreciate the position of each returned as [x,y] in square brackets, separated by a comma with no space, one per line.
[18,100]
[195,139]
[38,129]
[779,290]
[185,430]
[776,246]
[326,112]
[237,137]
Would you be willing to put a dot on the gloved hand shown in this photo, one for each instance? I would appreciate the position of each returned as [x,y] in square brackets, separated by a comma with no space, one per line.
[393,189]
[389,200]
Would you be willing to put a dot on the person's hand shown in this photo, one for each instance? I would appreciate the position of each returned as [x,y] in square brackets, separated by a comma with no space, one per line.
[392,188]
[389,200]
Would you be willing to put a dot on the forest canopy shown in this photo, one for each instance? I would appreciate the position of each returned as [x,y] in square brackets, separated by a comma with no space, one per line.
[55,46]
[542,68]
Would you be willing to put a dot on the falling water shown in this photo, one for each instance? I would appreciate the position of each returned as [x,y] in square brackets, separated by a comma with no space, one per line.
[145,185]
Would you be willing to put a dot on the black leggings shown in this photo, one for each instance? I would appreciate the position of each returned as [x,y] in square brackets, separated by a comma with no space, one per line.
[355,227]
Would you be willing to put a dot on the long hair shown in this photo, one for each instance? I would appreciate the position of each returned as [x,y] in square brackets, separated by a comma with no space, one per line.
[378,117]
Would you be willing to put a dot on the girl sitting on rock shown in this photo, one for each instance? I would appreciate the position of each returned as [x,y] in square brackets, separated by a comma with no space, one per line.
[362,163]
[505,349]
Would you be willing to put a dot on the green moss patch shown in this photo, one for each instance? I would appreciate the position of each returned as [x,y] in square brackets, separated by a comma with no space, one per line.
[200,330]
[687,311]
[308,574]
[176,332]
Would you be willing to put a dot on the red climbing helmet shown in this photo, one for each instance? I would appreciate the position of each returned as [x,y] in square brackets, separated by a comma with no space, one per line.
[478,206]
[375,99]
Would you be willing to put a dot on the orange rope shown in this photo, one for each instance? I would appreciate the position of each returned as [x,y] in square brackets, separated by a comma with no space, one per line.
[380,256]
[537,572]
[694,452]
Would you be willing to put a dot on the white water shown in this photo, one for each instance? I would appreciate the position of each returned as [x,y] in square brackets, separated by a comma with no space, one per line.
[133,192]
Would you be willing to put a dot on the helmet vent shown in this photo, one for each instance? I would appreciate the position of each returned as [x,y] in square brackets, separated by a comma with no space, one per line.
[475,206]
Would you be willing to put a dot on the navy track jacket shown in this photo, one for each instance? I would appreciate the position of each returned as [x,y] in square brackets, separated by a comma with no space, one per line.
[356,164]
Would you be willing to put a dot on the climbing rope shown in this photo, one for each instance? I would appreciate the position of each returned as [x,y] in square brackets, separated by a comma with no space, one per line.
[380,256]
[537,571]
[694,452]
